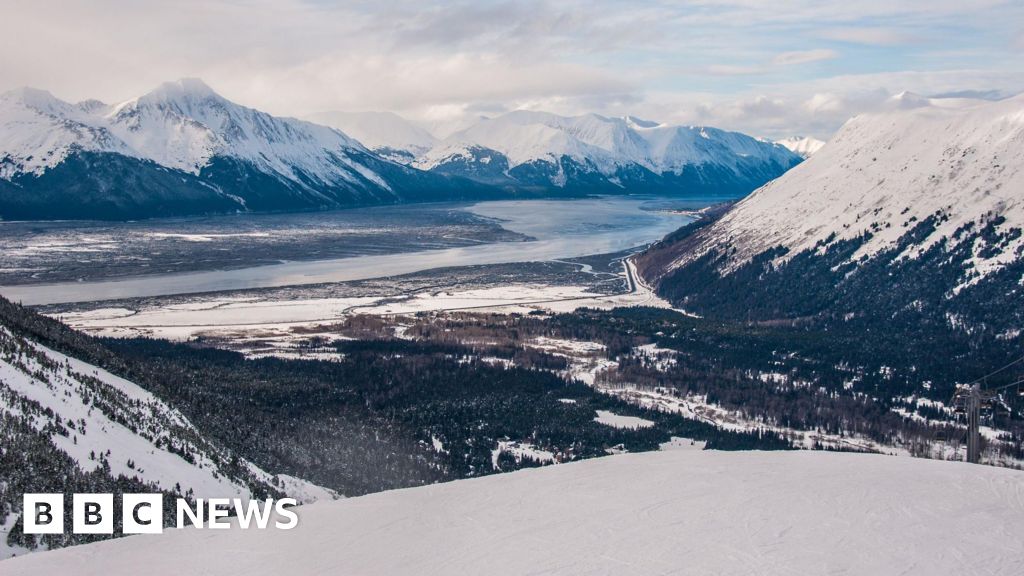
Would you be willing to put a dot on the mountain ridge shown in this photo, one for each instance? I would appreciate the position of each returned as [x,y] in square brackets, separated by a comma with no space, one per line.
[184,149]
[546,150]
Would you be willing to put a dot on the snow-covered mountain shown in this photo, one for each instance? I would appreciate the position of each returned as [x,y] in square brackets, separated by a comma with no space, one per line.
[683,512]
[547,151]
[926,197]
[884,173]
[386,133]
[182,148]
[802,146]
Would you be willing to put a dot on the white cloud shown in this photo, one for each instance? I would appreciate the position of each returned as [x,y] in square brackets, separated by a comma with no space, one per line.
[804,57]
[736,63]
[878,36]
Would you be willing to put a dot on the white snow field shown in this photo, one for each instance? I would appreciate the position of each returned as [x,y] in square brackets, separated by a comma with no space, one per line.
[675,512]
[619,421]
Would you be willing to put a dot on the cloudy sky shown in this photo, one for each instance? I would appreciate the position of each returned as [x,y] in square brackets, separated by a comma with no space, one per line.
[771,69]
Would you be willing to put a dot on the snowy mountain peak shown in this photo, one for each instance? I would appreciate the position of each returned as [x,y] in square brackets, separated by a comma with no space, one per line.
[803,146]
[634,122]
[35,99]
[384,132]
[91,106]
[907,100]
[229,157]
[184,88]
[182,125]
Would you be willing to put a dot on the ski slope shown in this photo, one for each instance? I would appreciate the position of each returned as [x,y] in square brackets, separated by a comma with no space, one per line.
[676,512]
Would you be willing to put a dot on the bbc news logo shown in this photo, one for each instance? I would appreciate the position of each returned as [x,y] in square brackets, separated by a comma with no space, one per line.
[144,513]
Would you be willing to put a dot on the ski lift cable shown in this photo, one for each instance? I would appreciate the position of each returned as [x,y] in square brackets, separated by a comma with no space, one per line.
[1010,385]
[997,371]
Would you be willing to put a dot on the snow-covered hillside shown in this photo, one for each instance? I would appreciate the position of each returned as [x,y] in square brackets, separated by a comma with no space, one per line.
[676,512]
[182,148]
[802,146]
[385,133]
[108,425]
[546,149]
[54,390]
[958,161]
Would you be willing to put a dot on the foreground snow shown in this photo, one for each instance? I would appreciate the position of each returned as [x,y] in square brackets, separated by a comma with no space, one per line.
[679,512]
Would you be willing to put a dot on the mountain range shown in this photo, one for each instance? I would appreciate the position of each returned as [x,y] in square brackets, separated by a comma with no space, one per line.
[539,151]
[184,149]
[909,218]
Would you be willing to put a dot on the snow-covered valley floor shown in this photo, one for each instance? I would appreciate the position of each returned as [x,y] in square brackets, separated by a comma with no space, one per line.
[676,512]
[239,315]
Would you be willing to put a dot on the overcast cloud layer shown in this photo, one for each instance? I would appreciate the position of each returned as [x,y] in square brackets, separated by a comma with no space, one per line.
[771,69]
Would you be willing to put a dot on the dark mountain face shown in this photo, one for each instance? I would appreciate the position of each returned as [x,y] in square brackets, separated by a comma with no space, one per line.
[831,285]
[569,176]
[108,186]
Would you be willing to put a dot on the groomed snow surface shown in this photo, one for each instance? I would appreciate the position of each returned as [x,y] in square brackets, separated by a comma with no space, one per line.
[676,512]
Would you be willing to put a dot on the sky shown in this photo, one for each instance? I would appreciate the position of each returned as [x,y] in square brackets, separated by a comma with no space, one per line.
[770,69]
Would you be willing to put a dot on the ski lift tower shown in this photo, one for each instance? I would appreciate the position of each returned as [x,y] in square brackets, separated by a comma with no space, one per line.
[973,416]
[971,401]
